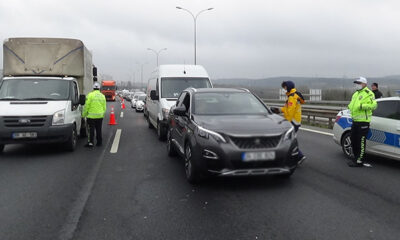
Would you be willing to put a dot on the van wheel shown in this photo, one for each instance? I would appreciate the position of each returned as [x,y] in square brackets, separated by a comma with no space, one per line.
[71,143]
[346,145]
[1,148]
[149,123]
[160,132]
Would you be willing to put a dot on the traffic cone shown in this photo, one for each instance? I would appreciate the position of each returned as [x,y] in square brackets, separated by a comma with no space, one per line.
[123,104]
[112,117]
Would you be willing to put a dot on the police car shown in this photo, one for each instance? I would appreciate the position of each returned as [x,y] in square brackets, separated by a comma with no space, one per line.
[384,136]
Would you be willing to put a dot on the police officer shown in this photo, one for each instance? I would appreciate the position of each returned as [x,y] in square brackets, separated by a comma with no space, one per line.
[94,110]
[361,107]
[292,109]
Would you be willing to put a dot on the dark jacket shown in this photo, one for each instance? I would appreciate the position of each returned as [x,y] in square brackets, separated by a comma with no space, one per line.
[377,93]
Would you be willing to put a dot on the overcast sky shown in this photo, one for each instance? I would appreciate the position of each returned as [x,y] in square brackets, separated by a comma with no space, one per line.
[238,38]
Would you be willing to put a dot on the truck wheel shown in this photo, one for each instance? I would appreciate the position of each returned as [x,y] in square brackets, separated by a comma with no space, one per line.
[346,145]
[160,132]
[1,148]
[83,132]
[192,173]
[73,138]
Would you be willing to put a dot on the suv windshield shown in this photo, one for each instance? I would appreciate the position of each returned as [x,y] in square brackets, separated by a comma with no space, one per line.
[172,87]
[34,89]
[227,103]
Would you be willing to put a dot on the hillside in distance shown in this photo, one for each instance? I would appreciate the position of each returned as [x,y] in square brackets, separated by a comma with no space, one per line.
[392,81]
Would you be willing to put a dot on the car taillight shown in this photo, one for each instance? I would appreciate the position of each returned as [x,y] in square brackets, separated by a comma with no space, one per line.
[337,118]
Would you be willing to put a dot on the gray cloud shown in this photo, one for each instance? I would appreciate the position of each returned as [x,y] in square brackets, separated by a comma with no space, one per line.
[254,38]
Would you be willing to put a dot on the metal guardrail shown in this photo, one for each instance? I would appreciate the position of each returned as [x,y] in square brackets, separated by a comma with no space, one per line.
[315,114]
[330,103]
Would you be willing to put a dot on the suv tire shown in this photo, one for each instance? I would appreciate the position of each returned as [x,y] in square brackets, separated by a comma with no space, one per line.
[192,173]
[170,145]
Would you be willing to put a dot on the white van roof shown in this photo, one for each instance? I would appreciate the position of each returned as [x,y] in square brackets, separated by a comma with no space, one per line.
[182,71]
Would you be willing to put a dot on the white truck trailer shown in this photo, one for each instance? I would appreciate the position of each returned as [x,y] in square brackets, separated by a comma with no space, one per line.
[43,90]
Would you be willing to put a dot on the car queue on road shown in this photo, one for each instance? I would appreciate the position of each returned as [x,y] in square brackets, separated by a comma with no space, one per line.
[231,132]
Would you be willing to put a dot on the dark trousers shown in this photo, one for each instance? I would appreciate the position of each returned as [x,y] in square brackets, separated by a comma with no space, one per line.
[359,132]
[95,125]
[296,128]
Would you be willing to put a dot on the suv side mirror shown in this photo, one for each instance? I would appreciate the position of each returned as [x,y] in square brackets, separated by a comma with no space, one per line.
[82,99]
[153,95]
[180,111]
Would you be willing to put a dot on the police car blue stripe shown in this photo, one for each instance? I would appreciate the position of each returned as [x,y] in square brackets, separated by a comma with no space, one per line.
[374,135]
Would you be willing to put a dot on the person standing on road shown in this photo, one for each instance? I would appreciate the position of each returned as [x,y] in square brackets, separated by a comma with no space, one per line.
[362,105]
[292,109]
[94,111]
[376,91]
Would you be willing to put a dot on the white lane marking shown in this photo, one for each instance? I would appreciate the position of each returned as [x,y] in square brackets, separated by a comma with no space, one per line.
[114,147]
[316,131]
[122,114]
[69,227]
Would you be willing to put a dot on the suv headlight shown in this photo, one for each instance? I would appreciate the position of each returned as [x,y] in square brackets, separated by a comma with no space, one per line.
[59,117]
[290,134]
[205,133]
[165,113]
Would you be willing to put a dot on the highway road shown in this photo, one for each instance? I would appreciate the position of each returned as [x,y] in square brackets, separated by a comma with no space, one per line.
[139,192]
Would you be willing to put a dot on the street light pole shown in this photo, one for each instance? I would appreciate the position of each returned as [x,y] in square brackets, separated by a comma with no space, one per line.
[157,52]
[195,27]
[141,73]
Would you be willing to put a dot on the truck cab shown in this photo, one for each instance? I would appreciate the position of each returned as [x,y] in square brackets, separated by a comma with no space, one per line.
[43,91]
[108,88]
[40,109]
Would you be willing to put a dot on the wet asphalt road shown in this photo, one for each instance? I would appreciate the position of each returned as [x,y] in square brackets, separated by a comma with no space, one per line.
[141,193]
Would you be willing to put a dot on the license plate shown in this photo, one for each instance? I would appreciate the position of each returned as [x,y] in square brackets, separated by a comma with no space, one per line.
[24,135]
[258,156]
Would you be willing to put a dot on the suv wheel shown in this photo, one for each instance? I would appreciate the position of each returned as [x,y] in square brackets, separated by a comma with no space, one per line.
[71,143]
[346,145]
[160,132]
[192,174]
[170,146]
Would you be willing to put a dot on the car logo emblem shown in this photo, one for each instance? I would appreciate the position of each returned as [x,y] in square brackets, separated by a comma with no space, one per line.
[24,121]
[257,141]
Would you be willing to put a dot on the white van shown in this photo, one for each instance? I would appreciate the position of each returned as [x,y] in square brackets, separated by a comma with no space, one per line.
[164,87]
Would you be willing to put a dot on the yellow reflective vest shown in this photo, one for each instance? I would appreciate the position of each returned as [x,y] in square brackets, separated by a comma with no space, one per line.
[362,105]
[95,105]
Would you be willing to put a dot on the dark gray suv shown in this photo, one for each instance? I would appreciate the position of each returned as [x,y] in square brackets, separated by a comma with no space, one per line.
[229,132]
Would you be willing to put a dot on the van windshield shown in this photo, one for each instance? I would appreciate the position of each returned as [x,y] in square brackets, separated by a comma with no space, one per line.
[172,87]
[34,89]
